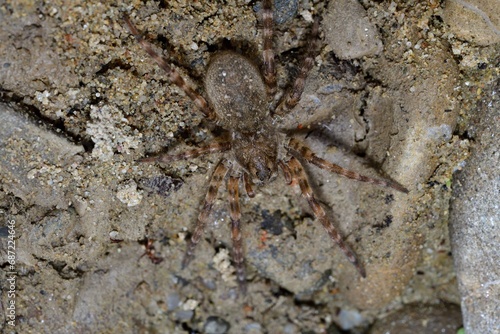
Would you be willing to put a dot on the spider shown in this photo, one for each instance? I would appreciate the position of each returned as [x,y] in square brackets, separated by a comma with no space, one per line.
[150,251]
[240,101]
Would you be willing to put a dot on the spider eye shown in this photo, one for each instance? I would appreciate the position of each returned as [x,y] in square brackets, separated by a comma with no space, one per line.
[262,174]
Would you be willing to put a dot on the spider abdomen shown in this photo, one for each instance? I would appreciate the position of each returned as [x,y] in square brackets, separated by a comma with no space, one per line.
[236,92]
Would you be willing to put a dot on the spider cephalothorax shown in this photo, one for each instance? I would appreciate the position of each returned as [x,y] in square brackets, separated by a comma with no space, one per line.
[239,99]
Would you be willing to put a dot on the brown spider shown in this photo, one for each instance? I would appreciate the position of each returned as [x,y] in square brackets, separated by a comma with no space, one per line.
[150,251]
[239,99]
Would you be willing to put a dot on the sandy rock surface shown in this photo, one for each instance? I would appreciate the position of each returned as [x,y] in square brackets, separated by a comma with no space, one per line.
[100,236]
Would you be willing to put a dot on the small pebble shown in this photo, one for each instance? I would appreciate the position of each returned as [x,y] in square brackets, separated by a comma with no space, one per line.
[284,10]
[80,205]
[216,325]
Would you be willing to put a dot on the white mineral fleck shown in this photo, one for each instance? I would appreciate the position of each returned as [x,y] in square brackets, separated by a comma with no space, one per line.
[128,194]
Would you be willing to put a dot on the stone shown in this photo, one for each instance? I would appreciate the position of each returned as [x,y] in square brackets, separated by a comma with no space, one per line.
[475,217]
[35,160]
[359,39]
[418,318]
[475,21]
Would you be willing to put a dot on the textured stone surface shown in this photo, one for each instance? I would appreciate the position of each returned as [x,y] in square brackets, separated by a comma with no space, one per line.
[419,318]
[475,218]
[419,110]
[476,21]
[36,161]
[362,38]
[81,248]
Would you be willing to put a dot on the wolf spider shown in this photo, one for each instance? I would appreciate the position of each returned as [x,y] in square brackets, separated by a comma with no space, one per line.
[240,101]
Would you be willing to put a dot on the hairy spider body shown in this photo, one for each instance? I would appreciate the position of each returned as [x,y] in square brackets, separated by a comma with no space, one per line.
[237,92]
[239,98]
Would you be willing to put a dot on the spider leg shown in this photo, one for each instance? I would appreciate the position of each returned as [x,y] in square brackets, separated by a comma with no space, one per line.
[292,97]
[268,52]
[311,157]
[215,182]
[248,186]
[214,147]
[234,208]
[286,172]
[173,75]
[300,176]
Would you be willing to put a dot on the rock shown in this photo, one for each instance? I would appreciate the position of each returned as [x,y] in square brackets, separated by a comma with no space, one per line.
[474,220]
[34,164]
[359,39]
[110,133]
[416,318]
[475,21]
[284,10]
[26,52]
[419,110]
[216,325]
